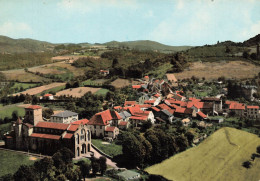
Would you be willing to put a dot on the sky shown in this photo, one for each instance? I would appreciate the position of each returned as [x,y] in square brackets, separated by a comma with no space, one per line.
[171,22]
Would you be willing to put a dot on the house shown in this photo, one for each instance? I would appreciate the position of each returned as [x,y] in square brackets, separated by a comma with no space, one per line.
[82,121]
[237,109]
[64,117]
[111,132]
[142,99]
[167,115]
[184,112]
[217,103]
[179,97]
[136,87]
[186,122]
[104,72]
[125,116]
[201,115]
[48,97]
[139,116]
[252,112]
[124,125]
[99,122]
[47,137]
[155,111]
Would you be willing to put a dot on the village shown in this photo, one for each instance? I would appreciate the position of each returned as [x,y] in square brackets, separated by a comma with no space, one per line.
[159,102]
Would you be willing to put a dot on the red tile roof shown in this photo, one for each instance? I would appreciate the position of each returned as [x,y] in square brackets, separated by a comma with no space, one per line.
[82,121]
[52,125]
[117,107]
[156,95]
[149,101]
[123,123]
[229,102]
[156,109]
[130,103]
[73,127]
[184,110]
[145,106]
[47,95]
[101,118]
[134,110]
[9,137]
[68,136]
[252,107]
[201,114]
[194,99]
[146,77]
[237,106]
[34,107]
[115,115]
[110,128]
[171,111]
[136,86]
[46,136]
[28,125]
[144,118]
[174,106]
[164,106]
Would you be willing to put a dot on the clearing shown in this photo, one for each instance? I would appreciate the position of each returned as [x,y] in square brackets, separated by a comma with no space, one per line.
[109,148]
[77,92]
[119,83]
[219,157]
[6,111]
[11,161]
[38,90]
[214,70]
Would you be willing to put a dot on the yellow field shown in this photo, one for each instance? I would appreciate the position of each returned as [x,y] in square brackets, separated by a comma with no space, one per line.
[37,90]
[77,92]
[219,157]
[214,70]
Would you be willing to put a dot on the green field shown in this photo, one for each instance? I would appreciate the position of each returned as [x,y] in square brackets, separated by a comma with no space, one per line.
[11,161]
[102,92]
[110,149]
[6,111]
[18,85]
[219,157]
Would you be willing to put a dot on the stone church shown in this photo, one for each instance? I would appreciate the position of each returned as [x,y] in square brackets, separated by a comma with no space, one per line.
[38,136]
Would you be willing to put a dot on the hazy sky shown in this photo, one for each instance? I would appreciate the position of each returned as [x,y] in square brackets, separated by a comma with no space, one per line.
[175,22]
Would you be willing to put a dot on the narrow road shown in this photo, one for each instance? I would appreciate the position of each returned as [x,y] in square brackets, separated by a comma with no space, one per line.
[109,161]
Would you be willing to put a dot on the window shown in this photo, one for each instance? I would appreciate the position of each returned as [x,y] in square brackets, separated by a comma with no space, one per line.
[100,127]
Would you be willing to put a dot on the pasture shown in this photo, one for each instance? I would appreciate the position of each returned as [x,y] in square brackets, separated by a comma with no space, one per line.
[119,83]
[6,111]
[109,148]
[11,161]
[77,92]
[214,70]
[219,157]
[38,90]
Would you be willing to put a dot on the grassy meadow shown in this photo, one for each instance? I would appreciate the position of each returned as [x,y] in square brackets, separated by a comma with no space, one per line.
[111,149]
[11,161]
[219,157]
[6,111]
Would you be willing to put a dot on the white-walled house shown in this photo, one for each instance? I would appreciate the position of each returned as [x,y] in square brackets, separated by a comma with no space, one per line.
[64,117]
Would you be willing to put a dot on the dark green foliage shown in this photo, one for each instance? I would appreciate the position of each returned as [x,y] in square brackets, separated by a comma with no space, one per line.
[247,164]
[15,115]
[46,113]
[103,166]
[23,60]
[84,168]
[258,149]
[26,173]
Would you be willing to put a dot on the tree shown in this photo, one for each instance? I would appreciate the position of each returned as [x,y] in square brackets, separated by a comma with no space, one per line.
[46,113]
[26,173]
[245,54]
[95,165]
[258,149]
[103,165]
[43,167]
[114,63]
[247,164]
[84,168]
[253,56]
[35,100]
[15,115]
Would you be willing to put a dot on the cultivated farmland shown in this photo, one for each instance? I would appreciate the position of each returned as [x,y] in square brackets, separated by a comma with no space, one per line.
[119,83]
[77,92]
[219,157]
[214,70]
[38,90]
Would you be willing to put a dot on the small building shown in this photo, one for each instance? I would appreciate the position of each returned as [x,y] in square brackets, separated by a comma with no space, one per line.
[252,112]
[186,122]
[48,97]
[129,175]
[64,117]
[111,132]
[124,125]
[104,72]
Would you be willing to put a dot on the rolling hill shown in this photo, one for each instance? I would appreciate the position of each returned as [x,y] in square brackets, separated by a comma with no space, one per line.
[219,157]
[9,45]
[147,45]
